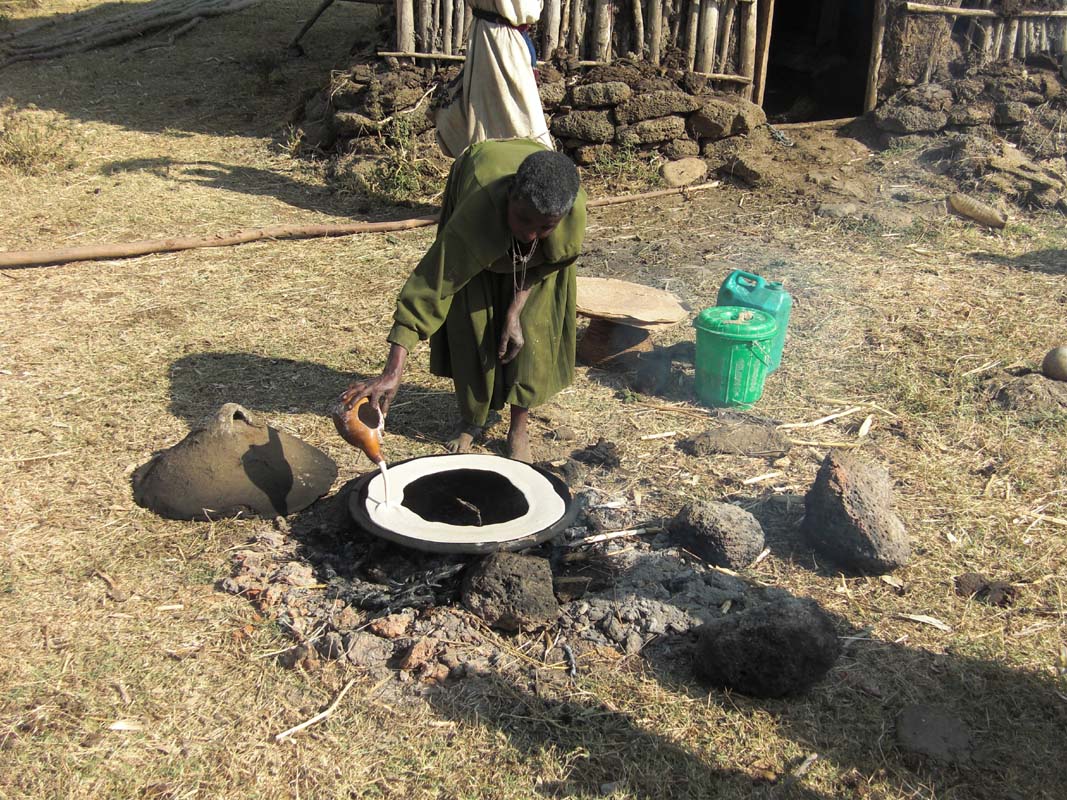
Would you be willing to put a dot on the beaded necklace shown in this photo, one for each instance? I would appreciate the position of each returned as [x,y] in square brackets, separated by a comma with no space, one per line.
[519,261]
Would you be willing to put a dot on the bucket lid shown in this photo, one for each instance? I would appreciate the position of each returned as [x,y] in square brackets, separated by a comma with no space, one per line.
[735,322]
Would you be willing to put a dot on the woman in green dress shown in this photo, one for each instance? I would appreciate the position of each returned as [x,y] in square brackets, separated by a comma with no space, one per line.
[495,293]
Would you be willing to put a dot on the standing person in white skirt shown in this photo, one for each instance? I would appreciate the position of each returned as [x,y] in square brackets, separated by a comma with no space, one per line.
[495,96]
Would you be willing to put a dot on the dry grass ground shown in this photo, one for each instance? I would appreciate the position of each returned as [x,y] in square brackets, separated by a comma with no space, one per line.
[103,363]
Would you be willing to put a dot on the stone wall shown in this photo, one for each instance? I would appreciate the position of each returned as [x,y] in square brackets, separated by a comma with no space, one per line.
[628,106]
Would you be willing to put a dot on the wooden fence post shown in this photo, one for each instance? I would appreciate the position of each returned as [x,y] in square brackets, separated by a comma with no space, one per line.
[602,19]
[405,26]
[870,98]
[655,30]
[550,19]
[727,28]
[747,43]
[763,50]
[709,36]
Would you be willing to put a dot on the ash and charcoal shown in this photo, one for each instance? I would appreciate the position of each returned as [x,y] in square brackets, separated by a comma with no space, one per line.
[655,591]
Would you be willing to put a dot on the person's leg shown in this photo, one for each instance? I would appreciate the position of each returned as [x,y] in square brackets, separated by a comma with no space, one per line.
[519,434]
[467,433]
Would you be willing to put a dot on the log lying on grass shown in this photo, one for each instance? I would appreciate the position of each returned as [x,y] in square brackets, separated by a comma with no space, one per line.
[99,252]
[101,31]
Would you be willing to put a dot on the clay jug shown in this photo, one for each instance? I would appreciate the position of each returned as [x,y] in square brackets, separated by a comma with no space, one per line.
[360,425]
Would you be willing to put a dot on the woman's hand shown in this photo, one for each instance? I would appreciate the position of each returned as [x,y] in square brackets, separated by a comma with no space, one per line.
[380,390]
[511,341]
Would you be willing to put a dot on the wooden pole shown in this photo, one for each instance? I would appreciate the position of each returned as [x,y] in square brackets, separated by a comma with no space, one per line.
[602,30]
[1022,41]
[870,98]
[639,29]
[763,50]
[728,77]
[578,31]
[459,41]
[405,25]
[976,35]
[709,36]
[672,12]
[435,25]
[727,33]
[691,31]
[446,26]
[998,39]
[98,252]
[951,11]
[550,19]
[1010,39]
[565,24]
[747,44]
[655,30]
[422,28]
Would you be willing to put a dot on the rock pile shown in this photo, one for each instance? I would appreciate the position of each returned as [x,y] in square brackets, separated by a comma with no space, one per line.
[1004,125]
[625,106]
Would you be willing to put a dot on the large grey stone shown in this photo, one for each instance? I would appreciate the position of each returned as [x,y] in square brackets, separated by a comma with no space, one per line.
[589,126]
[552,94]
[684,171]
[714,120]
[512,592]
[720,533]
[779,648]
[655,104]
[650,131]
[749,117]
[849,517]
[596,95]
[234,465]
[681,148]
[1012,113]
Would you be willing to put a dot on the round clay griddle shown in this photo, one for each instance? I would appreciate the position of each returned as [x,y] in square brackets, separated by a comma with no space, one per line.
[463,503]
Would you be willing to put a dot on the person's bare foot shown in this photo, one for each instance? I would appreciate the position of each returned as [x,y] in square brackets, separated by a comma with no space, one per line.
[464,438]
[519,446]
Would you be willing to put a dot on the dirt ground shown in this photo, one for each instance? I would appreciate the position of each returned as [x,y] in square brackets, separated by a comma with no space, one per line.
[126,673]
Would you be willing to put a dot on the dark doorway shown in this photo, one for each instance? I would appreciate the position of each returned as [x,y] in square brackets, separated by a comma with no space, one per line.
[818,60]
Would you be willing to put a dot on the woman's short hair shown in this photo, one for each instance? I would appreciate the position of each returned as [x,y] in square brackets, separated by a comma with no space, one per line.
[548,181]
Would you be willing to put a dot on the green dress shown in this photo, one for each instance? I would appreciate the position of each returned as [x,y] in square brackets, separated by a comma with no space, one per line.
[459,294]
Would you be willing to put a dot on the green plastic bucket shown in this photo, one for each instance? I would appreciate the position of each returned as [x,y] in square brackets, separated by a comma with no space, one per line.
[733,355]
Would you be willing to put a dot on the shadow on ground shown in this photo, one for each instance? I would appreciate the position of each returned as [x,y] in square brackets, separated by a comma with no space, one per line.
[200,383]
[1052,261]
[1015,720]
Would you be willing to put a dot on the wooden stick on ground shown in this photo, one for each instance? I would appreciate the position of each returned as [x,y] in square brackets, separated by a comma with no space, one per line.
[98,252]
[318,717]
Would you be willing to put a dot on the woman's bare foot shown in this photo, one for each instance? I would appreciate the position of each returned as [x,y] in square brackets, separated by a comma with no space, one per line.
[464,437]
[519,446]
[519,435]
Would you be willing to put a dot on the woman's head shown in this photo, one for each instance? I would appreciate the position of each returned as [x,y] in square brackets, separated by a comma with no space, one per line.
[542,193]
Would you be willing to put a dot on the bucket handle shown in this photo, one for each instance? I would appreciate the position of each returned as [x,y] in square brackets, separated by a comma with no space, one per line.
[762,352]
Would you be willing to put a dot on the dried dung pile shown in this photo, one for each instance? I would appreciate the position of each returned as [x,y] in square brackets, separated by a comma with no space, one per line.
[628,106]
[1005,129]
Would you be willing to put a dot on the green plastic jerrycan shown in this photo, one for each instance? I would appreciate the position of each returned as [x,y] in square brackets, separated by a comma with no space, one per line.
[751,291]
